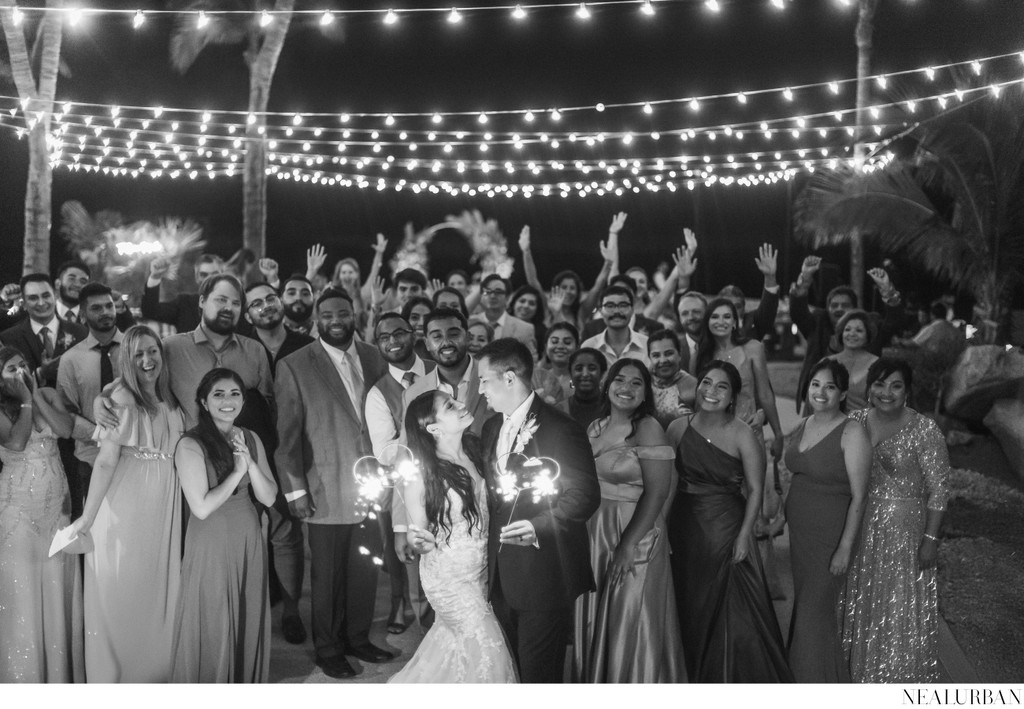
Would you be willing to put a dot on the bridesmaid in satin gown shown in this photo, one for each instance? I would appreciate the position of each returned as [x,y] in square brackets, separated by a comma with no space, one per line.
[40,596]
[830,457]
[627,631]
[729,629]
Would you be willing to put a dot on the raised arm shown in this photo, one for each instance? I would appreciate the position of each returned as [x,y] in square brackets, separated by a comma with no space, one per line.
[529,267]
[610,267]
[378,260]
[315,257]
[799,310]
[152,307]
[685,265]
[768,308]
[893,319]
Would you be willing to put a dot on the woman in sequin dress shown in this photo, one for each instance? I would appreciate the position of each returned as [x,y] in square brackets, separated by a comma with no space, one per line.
[890,611]
[830,457]
[627,631]
[40,596]
[448,516]
[133,514]
[729,629]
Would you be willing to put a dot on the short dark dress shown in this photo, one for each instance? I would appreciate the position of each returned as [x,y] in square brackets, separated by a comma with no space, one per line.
[816,508]
[729,629]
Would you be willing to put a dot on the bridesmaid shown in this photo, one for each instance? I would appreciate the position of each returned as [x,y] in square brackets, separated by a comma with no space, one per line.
[891,613]
[729,629]
[222,631]
[133,514]
[40,596]
[830,457]
[586,367]
[627,631]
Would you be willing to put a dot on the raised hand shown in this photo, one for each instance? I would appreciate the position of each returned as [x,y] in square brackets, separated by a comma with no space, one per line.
[609,249]
[617,222]
[380,245]
[269,268]
[691,241]
[810,266]
[10,293]
[556,300]
[433,286]
[377,292]
[18,388]
[159,267]
[524,239]
[881,279]
[767,263]
[316,255]
[685,263]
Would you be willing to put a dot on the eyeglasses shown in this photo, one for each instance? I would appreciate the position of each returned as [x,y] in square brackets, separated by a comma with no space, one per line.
[261,304]
[620,307]
[493,291]
[399,334]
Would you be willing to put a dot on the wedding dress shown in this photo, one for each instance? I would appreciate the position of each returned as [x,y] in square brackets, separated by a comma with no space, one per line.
[465,644]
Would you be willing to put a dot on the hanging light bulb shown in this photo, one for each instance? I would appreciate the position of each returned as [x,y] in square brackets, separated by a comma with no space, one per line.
[834,87]
[694,105]
[741,97]
[390,17]
[648,109]
[326,18]
[882,82]
[436,118]
[583,12]
[74,17]
[17,16]
[647,8]
[139,18]
[202,20]
[519,13]
[265,18]
[455,16]
[787,94]
[779,4]
[712,5]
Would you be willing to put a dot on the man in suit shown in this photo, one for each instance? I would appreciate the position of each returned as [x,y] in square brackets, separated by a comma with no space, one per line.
[320,393]
[690,308]
[618,339]
[494,299]
[638,323]
[72,276]
[538,558]
[183,311]
[42,337]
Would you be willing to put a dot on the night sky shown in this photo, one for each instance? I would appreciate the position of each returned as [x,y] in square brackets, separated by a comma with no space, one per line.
[490,62]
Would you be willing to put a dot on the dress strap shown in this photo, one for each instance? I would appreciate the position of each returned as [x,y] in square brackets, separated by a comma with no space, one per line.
[655,452]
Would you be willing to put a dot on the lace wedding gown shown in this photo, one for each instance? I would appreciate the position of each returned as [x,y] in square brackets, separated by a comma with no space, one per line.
[465,644]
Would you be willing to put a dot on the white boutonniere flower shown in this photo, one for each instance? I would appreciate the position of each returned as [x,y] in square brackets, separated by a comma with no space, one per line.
[525,434]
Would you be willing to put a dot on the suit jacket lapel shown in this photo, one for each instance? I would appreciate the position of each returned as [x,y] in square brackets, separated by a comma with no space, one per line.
[325,368]
[32,342]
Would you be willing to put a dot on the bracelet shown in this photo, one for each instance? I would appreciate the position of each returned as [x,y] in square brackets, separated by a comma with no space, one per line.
[930,536]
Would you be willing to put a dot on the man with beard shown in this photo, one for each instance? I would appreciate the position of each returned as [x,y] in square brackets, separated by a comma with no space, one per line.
[71,278]
[287,561]
[320,397]
[618,339]
[384,416]
[183,311]
[297,300]
[42,337]
[215,343]
[83,372]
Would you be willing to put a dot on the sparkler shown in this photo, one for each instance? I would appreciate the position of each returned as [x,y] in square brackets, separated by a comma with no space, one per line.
[519,474]
[376,476]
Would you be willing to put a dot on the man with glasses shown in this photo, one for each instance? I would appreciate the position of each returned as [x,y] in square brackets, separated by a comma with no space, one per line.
[494,291]
[618,339]
[265,310]
[384,414]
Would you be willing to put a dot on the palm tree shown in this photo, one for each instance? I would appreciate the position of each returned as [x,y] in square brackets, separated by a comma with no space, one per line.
[955,207]
[262,47]
[34,70]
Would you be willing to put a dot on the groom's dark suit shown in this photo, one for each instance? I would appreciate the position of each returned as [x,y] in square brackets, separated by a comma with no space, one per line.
[533,589]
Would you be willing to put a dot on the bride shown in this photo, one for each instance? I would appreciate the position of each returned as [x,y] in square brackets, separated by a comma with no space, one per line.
[447,510]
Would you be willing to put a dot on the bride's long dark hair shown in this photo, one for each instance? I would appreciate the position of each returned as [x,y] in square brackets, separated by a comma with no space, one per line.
[440,476]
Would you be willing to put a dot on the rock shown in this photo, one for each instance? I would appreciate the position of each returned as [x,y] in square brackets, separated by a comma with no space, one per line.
[1006,422]
[980,376]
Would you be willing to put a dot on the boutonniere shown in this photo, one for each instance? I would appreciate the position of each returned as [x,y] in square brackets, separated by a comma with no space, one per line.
[525,434]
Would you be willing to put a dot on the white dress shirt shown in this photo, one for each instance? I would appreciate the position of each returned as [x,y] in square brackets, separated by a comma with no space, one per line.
[637,347]
[379,422]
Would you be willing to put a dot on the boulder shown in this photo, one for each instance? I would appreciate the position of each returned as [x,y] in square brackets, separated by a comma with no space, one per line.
[982,375]
[1006,422]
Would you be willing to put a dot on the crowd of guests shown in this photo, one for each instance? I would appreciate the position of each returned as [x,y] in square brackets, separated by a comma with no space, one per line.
[177,461]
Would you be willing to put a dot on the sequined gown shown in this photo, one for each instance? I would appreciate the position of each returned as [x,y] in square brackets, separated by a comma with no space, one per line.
[728,625]
[465,644]
[890,611]
[40,597]
[816,508]
[627,632]
[131,579]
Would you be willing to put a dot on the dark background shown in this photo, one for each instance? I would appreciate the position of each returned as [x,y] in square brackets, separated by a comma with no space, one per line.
[490,62]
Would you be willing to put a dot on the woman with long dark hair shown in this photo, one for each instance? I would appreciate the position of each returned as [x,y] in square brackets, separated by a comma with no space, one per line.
[729,629]
[527,304]
[627,631]
[447,508]
[222,629]
[133,513]
[891,625]
[40,595]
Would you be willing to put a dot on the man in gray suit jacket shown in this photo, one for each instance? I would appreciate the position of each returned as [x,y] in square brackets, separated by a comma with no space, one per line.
[494,291]
[320,393]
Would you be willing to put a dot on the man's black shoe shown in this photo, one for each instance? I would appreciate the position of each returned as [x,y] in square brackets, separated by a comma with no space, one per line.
[336,667]
[294,631]
[371,653]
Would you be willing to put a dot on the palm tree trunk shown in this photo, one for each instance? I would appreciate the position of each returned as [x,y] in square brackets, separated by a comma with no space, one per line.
[864,38]
[38,111]
[254,178]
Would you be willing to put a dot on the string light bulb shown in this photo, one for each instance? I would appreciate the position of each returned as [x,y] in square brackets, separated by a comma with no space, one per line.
[17,16]
[265,18]
[326,18]
[712,5]
[138,19]
[436,118]
[202,20]
[519,13]
[647,8]
[454,16]
[74,17]
[648,108]
[583,12]
[390,17]
[787,94]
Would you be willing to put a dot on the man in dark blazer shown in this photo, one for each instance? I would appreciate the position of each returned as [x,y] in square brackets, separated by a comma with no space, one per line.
[320,394]
[183,311]
[538,557]
[42,337]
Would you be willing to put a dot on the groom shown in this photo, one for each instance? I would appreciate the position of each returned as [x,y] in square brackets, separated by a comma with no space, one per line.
[539,562]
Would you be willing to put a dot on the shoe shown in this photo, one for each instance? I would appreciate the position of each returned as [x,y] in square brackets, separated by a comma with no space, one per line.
[397,623]
[336,667]
[294,631]
[371,653]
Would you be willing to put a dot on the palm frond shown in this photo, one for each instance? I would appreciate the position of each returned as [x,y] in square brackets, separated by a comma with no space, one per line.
[188,39]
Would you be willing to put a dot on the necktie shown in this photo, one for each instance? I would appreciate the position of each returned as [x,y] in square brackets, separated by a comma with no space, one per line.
[408,379]
[504,442]
[357,382]
[44,336]
[496,326]
[106,366]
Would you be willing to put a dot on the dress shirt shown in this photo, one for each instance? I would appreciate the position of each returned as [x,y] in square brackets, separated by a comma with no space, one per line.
[344,360]
[459,392]
[53,326]
[66,313]
[190,355]
[499,326]
[510,427]
[379,421]
[637,347]
[78,382]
